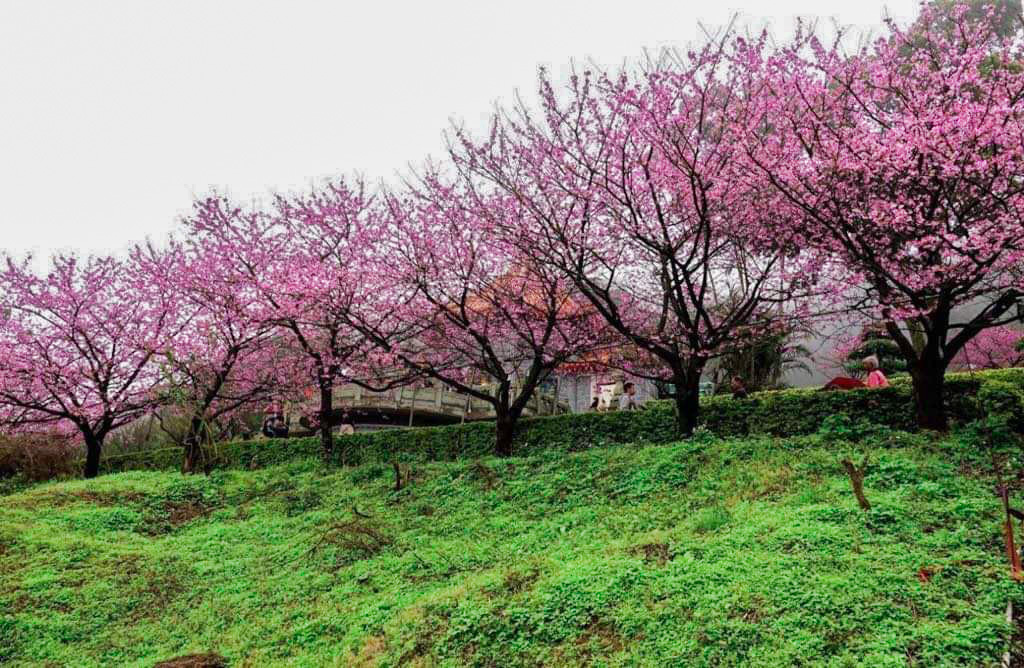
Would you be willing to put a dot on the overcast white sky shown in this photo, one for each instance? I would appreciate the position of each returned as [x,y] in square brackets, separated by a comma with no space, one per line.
[114,114]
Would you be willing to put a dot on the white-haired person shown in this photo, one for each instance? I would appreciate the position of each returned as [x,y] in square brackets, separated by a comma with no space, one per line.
[875,376]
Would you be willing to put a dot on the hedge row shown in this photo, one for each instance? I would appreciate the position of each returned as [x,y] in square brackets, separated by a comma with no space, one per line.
[780,413]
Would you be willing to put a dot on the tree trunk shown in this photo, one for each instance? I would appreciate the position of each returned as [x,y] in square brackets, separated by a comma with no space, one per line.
[326,404]
[193,447]
[928,380]
[687,405]
[505,431]
[93,447]
[687,399]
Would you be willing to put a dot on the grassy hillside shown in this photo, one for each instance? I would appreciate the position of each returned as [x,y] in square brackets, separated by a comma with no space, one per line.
[726,553]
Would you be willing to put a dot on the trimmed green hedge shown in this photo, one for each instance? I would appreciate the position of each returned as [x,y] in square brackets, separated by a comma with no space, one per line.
[780,413]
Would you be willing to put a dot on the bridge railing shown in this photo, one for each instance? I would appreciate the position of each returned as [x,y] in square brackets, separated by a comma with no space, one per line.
[437,401]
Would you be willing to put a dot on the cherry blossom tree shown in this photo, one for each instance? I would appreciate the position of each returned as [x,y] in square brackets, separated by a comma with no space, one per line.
[902,164]
[77,346]
[303,261]
[993,348]
[628,184]
[486,319]
[225,357]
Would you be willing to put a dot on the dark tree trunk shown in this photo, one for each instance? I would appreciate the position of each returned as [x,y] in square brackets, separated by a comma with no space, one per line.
[193,447]
[687,408]
[926,363]
[505,431]
[326,404]
[505,421]
[93,447]
[505,416]
[687,398]
[928,380]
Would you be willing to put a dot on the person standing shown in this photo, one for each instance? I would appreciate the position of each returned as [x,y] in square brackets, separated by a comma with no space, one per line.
[739,390]
[627,400]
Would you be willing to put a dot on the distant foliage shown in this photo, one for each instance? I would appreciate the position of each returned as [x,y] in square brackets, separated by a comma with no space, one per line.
[762,364]
[38,456]
[995,348]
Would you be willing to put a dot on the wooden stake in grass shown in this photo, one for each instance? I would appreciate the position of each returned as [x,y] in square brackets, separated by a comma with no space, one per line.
[398,475]
[1011,550]
[857,480]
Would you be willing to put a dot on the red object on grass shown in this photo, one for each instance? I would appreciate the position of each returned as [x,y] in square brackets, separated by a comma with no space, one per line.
[843,383]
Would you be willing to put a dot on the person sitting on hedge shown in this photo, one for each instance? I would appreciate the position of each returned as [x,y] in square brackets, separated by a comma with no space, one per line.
[275,425]
[875,378]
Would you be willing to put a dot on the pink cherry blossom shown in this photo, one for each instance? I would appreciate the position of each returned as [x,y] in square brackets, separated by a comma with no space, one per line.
[77,346]
[900,167]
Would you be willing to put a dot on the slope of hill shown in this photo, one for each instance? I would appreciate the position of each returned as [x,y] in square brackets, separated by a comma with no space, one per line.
[727,553]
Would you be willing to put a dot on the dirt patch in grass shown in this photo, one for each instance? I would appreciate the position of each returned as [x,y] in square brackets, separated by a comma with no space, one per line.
[516,582]
[420,651]
[172,515]
[369,655]
[599,639]
[22,602]
[207,660]
[158,591]
[62,499]
[178,514]
[356,540]
[654,554]
[484,474]
[152,585]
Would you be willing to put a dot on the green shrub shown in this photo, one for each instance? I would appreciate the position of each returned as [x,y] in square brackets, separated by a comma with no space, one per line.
[795,412]
[1001,397]
[842,427]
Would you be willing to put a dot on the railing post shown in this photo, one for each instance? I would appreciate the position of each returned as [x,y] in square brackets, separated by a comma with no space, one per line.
[412,405]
